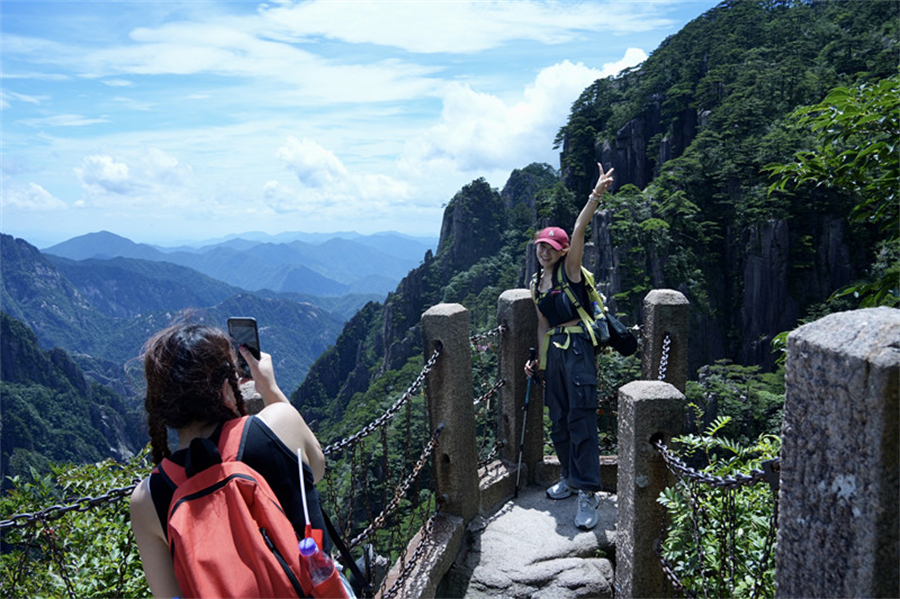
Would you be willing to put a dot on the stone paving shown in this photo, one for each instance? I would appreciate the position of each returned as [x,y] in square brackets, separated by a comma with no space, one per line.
[530,548]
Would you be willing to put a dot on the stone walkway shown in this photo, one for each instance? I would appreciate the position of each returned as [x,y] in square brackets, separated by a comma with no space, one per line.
[530,548]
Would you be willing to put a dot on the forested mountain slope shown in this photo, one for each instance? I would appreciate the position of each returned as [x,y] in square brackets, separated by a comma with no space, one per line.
[689,133]
[71,342]
[51,412]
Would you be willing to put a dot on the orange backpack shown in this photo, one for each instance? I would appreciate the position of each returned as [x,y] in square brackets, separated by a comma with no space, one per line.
[228,534]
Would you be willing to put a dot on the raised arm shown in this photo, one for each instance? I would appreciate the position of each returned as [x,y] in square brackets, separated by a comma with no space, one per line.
[282,417]
[576,242]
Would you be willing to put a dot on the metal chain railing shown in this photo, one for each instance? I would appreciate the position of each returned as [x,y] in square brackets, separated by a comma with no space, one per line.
[490,392]
[474,339]
[669,571]
[729,485]
[409,564]
[491,455]
[386,417]
[664,358]
[678,467]
[82,504]
[381,519]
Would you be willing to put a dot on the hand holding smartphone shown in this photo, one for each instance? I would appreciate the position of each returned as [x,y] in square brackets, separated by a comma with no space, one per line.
[243,331]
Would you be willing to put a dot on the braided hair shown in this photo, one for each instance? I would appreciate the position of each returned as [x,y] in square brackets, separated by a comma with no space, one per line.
[185,366]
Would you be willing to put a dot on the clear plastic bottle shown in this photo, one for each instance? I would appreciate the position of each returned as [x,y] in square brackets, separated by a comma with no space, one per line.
[320,565]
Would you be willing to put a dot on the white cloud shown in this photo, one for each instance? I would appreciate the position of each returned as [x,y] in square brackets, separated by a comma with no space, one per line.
[326,181]
[456,27]
[62,120]
[7,96]
[118,83]
[633,57]
[152,177]
[314,165]
[478,131]
[33,197]
[102,173]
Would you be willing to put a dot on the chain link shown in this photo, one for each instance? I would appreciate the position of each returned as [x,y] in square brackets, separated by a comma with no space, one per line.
[490,456]
[82,504]
[490,392]
[664,358]
[729,485]
[409,564]
[384,418]
[474,339]
[379,521]
[669,571]
[678,467]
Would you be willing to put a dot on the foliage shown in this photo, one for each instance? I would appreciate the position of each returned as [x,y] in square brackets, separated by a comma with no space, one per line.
[752,401]
[88,553]
[51,413]
[712,105]
[857,131]
[720,542]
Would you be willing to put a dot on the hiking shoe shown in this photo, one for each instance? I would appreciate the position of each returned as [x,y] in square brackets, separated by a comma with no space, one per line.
[586,518]
[560,490]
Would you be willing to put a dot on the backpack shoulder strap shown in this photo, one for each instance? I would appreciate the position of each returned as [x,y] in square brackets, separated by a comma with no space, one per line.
[586,318]
[533,287]
[173,474]
[347,559]
[233,437]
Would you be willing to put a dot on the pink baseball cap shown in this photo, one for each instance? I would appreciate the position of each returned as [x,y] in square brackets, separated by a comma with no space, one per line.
[555,237]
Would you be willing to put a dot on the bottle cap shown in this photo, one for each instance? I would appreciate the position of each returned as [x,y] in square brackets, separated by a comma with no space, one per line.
[308,546]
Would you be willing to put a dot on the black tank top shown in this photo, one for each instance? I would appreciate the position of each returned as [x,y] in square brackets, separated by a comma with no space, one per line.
[554,304]
[268,455]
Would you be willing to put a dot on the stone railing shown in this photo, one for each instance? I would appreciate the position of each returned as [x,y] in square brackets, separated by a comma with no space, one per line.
[839,471]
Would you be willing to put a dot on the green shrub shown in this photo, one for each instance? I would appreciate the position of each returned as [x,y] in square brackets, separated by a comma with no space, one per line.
[90,553]
[720,540]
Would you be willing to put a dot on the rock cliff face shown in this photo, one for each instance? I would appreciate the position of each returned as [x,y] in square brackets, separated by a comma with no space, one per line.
[771,281]
[471,230]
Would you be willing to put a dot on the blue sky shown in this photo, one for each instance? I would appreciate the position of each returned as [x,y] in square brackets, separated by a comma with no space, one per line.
[183,121]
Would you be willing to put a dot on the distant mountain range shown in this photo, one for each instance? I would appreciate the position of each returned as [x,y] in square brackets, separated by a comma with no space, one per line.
[101,311]
[314,264]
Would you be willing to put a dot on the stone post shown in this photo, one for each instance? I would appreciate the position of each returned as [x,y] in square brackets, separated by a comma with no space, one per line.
[648,410]
[666,313]
[515,312]
[839,525]
[450,395]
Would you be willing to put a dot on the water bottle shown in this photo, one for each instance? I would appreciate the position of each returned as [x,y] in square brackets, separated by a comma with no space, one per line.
[319,565]
[598,312]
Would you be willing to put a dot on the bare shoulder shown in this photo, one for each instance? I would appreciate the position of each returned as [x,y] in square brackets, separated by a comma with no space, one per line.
[279,413]
[140,497]
[143,513]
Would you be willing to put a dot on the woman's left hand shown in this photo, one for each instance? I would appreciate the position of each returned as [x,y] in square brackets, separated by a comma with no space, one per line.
[603,182]
[261,369]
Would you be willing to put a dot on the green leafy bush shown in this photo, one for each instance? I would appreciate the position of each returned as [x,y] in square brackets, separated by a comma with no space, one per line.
[720,540]
[89,553]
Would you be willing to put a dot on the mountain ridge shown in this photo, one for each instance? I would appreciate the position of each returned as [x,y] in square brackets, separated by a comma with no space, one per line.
[335,266]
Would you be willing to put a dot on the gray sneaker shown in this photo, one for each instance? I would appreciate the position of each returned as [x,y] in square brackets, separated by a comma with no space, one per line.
[586,518]
[560,490]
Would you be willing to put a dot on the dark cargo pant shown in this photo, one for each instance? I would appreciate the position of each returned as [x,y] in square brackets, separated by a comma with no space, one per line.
[571,399]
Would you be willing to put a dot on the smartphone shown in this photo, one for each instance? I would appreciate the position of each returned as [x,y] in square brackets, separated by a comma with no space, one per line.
[243,331]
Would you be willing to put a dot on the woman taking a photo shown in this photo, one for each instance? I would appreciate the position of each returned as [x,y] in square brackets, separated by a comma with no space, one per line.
[193,388]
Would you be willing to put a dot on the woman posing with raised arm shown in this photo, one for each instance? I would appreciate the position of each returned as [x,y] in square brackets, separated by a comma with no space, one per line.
[193,388]
[567,359]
